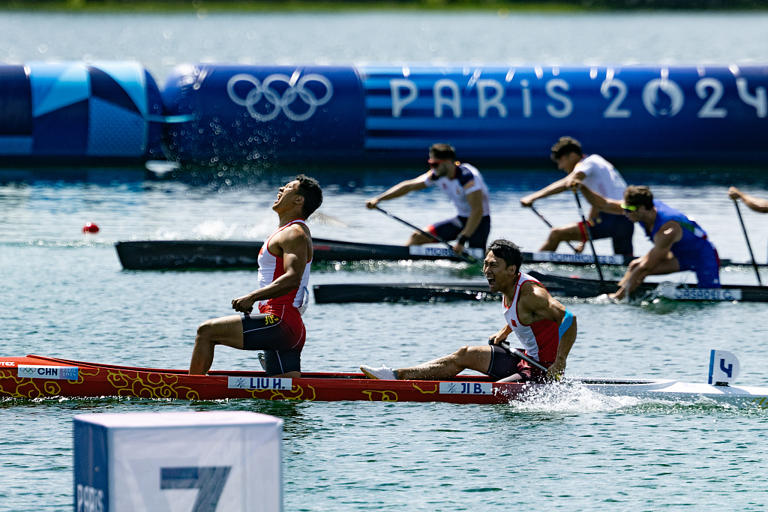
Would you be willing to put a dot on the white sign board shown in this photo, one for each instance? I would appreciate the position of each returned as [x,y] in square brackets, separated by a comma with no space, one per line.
[723,367]
[178,462]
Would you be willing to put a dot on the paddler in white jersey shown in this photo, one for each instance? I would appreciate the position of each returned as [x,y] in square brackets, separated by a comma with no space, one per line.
[601,176]
[545,328]
[464,186]
[284,262]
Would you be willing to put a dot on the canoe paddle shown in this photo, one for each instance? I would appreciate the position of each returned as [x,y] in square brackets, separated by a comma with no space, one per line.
[589,235]
[505,345]
[466,257]
[749,245]
[551,226]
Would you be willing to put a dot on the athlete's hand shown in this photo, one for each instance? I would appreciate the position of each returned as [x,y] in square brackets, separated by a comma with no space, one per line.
[555,372]
[243,304]
[527,201]
[372,203]
[458,248]
[497,338]
[734,193]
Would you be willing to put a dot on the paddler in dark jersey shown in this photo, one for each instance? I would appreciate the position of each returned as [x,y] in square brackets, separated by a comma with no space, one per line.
[679,243]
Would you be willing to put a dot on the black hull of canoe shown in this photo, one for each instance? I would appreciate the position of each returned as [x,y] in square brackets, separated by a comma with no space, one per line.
[585,288]
[463,291]
[237,254]
[234,254]
[402,292]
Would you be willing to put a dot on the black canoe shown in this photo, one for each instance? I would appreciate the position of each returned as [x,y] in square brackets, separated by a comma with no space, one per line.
[234,254]
[237,254]
[584,287]
[557,285]
[403,292]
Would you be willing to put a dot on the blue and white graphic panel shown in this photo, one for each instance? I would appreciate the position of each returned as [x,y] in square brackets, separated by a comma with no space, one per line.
[169,462]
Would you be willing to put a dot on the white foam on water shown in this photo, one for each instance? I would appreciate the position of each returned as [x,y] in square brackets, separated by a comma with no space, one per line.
[601,299]
[262,229]
[215,229]
[571,397]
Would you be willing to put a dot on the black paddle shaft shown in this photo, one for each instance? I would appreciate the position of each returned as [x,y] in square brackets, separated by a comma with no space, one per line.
[749,245]
[464,256]
[589,235]
[505,345]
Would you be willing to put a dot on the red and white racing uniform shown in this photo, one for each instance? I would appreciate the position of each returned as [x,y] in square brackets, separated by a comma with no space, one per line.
[539,339]
[287,308]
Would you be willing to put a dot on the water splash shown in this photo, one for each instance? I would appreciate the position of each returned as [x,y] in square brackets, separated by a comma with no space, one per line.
[571,397]
[215,229]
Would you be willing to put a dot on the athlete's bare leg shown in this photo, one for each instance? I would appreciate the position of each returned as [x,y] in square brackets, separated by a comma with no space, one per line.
[419,239]
[562,234]
[474,358]
[226,330]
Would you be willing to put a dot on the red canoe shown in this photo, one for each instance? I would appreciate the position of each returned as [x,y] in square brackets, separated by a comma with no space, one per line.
[39,377]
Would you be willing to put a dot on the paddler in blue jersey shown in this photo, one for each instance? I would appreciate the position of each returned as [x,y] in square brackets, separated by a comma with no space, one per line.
[544,327]
[679,243]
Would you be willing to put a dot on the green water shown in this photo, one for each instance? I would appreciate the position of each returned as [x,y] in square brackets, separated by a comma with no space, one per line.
[66,295]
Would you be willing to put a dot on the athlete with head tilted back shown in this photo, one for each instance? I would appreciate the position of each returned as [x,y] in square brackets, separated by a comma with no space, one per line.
[284,262]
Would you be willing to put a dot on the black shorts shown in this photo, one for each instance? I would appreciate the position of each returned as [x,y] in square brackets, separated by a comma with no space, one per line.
[277,339]
[449,229]
[504,363]
[617,227]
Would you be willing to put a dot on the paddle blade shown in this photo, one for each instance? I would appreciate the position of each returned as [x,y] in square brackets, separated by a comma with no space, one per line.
[723,367]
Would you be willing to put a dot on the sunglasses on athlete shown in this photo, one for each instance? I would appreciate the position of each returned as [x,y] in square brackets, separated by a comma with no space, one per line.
[628,208]
[433,164]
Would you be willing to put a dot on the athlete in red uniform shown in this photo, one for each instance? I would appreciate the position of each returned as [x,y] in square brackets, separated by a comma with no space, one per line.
[284,262]
[545,328]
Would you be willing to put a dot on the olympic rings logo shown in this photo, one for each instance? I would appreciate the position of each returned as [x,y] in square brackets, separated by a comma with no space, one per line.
[280,101]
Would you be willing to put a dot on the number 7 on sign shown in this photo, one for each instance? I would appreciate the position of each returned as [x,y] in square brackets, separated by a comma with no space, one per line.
[209,480]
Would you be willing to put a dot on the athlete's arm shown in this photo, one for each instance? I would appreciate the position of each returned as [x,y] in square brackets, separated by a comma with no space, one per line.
[501,335]
[475,200]
[665,238]
[293,243]
[553,188]
[537,304]
[754,203]
[401,189]
[598,201]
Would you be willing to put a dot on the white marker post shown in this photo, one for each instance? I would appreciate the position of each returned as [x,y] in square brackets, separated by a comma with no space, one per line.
[723,367]
[174,462]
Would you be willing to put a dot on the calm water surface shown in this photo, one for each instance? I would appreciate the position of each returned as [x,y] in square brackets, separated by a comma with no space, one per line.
[65,294]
